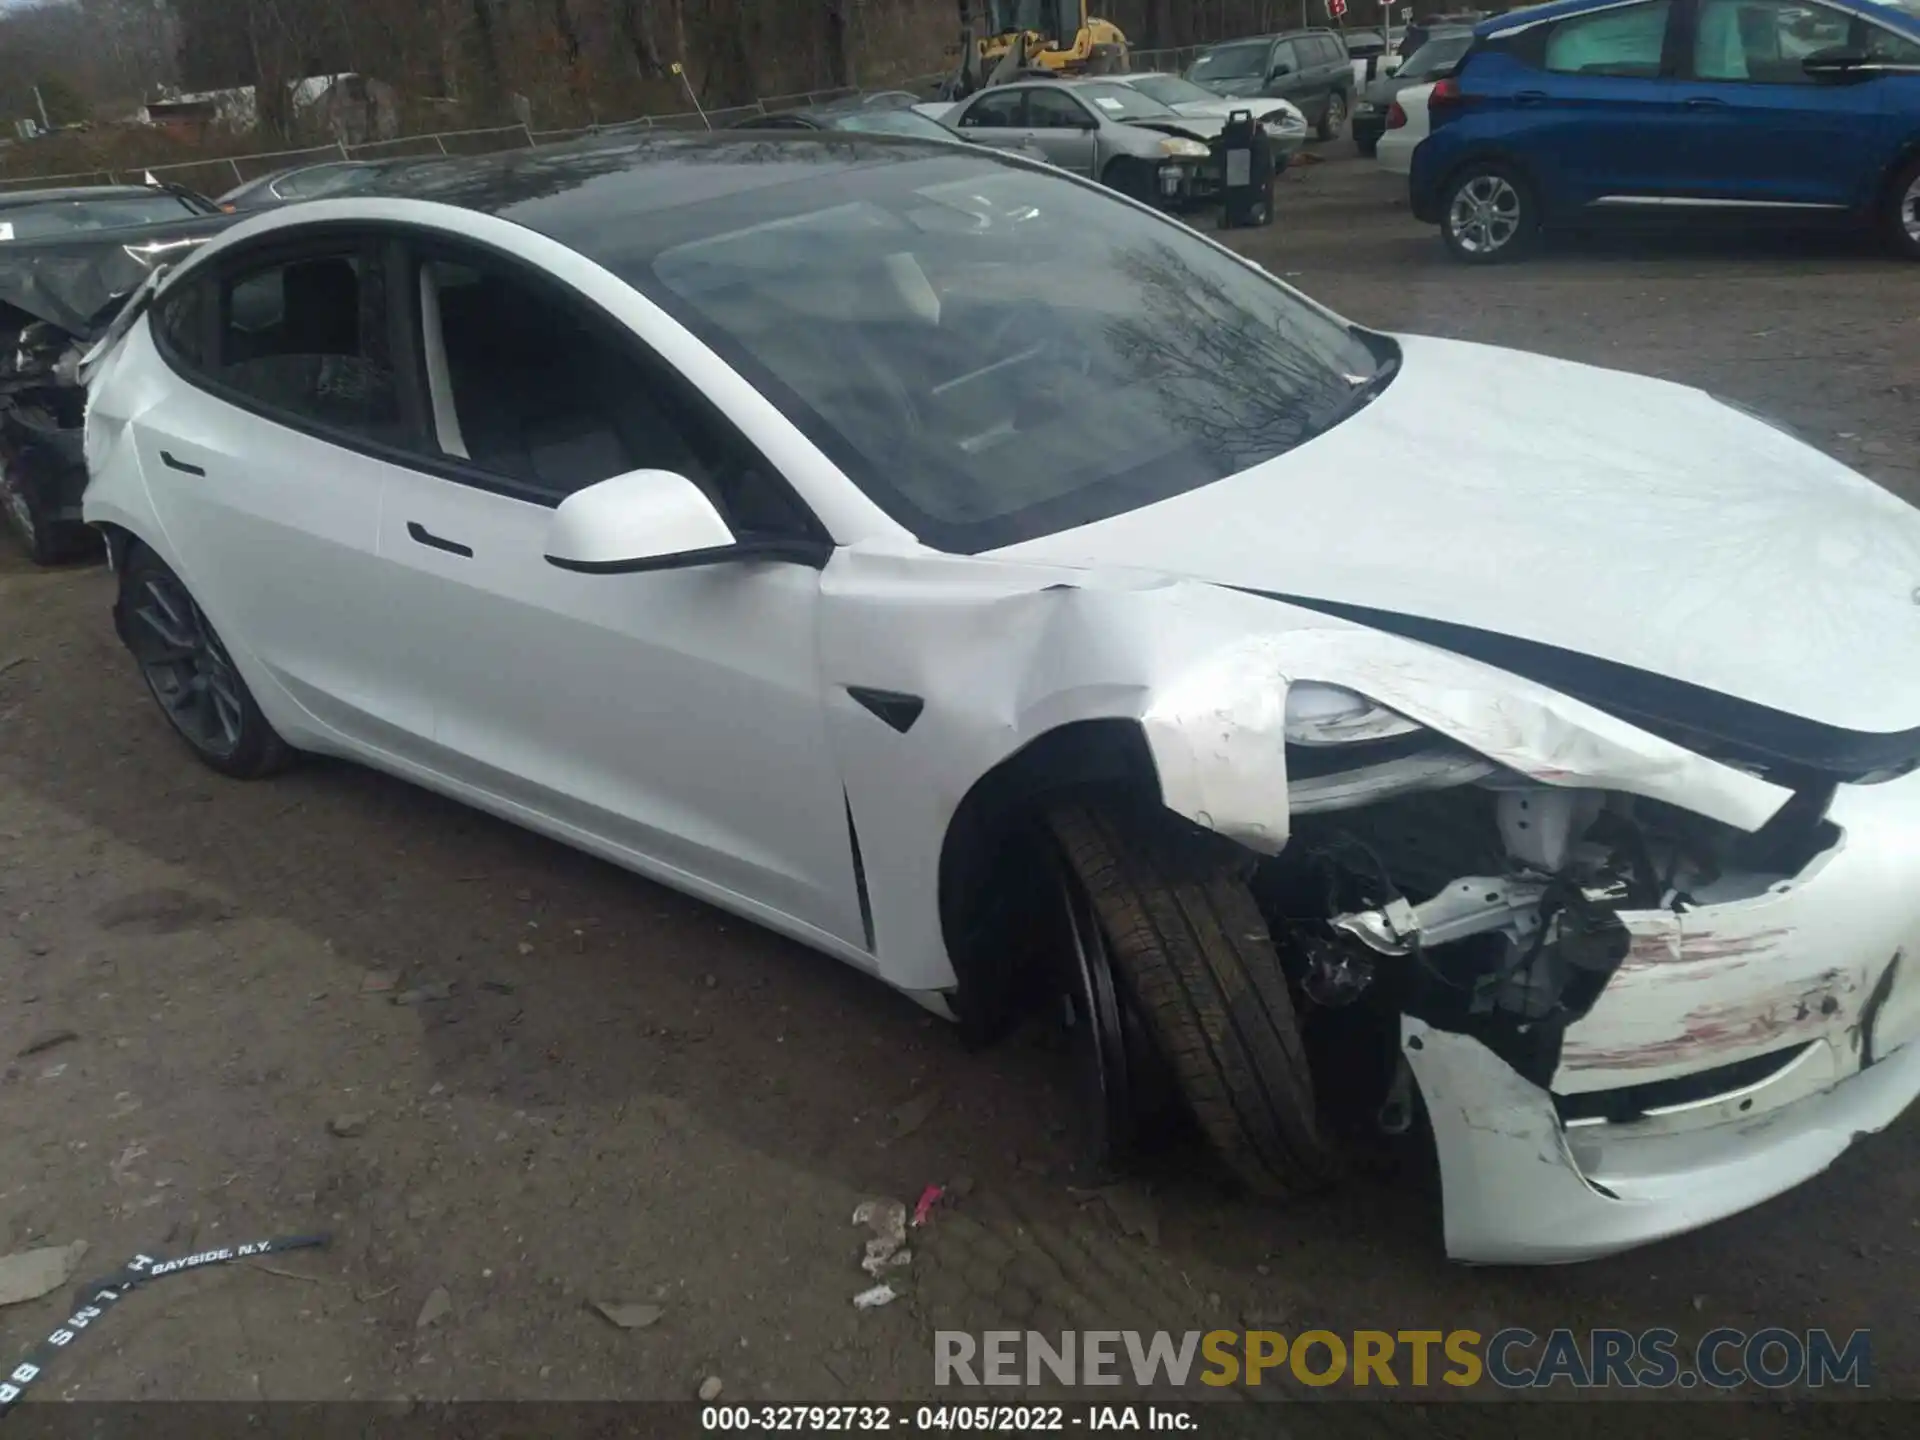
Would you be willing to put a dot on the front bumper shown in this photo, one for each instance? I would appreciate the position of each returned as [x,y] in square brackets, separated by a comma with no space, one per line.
[1804,997]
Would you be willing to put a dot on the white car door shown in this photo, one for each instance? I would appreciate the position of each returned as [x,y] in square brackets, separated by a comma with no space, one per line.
[673,714]
[267,469]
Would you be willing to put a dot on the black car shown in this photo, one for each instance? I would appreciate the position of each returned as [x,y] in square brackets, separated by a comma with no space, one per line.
[1309,67]
[1434,60]
[68,261]
[303,182]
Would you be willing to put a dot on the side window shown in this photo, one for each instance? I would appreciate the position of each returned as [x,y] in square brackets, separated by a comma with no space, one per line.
[307,337]
[1627,42]
[995,111]
[1332,52]
[532,386]
[1284,60]
[180,323]
[1887,47]
[1763,40]
[1051,110]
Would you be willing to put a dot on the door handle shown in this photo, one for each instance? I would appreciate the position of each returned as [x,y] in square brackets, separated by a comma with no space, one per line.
[1529,97]
[423,536]
[1703,102]
[167,459]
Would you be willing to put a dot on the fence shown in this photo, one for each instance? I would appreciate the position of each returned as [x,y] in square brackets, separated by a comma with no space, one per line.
[223,173]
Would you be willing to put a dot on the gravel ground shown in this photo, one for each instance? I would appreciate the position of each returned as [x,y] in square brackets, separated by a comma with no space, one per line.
[563,1085]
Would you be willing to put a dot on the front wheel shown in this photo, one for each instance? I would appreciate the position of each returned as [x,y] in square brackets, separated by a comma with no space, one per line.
[1488,215]
[1335,119]
[1904,211]
[190,674]
[1130,178]
[1196,965]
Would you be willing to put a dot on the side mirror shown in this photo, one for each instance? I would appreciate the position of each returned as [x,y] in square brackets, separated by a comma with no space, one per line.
[1283,68]
[642,520]
[1837,63]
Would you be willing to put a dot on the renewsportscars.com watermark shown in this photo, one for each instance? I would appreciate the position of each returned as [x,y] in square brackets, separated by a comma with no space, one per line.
[1513,1359]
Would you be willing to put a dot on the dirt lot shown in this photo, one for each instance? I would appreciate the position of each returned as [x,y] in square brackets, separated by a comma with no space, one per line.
[629,1096]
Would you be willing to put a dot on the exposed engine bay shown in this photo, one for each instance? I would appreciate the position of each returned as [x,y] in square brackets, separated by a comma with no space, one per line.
[1429,881]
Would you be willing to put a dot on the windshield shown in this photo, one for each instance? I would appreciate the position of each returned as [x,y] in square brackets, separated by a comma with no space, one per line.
[1435,55]
[993,354]
[891,122]
[1231,62]
[1045,16]
[1172,90]
[1123,102]
[109,212]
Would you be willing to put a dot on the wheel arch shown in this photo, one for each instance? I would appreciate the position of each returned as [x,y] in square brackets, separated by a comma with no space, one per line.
[1498,155]
[1896,167]
[991,833]
[120,542]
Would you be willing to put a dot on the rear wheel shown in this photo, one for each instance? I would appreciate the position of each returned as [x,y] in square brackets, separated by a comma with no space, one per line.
[1903,211]
[1335,119]
[191,675]
[1195,963]
[1487,215]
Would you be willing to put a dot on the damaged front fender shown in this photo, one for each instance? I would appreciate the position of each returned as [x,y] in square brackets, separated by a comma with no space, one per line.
[999,654]
[1216,730]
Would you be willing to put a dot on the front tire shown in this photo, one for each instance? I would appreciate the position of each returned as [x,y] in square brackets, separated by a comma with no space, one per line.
[1488,215]
[190,674]
[1335,118]
[1903,211]
[1192,951]
[1130,178]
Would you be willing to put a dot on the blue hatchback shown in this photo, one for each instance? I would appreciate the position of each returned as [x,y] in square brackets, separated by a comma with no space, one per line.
[1672,110]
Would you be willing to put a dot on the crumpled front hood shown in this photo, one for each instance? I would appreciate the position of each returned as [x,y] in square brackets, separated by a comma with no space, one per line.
[1598,512]
[1193,127]
[1273,111]
[75,281]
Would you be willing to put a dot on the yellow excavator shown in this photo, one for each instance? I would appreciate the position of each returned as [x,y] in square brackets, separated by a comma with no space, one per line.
[1055,36]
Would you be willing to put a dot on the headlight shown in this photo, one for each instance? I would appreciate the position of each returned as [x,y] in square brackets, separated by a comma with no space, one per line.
[1184,149]
[1328,715]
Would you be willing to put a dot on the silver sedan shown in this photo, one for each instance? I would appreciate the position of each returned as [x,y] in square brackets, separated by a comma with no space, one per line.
[1095,128]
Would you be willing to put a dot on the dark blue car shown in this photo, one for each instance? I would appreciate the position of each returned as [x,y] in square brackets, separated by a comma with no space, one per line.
[1757,111]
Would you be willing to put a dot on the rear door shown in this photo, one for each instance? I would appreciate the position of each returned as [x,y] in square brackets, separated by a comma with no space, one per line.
[268,469]
[1062,128]
[1763,133]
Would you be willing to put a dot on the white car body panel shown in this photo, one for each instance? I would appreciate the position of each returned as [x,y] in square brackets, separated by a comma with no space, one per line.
[1601,494]
[1585,497]
[1395,151]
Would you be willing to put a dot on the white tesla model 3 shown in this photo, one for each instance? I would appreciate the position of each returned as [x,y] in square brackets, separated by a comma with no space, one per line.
[1009,591]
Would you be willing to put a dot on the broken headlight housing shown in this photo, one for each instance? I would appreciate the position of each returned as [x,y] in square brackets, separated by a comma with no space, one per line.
[1320,714]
